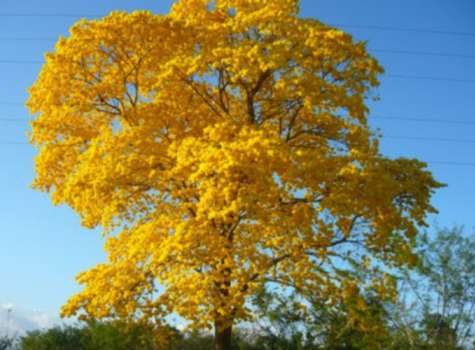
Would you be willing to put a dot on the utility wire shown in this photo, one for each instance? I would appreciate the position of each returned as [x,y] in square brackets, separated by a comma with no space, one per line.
[27,39]
[380,51]
[50,15]
[371,118]
[422,53]
[423,120]
[431,139]
[437,162]
[419,77]
[402,29]
[342,25]
[390,76]
[21,62]
[386,137]
[4,119]
[377,51]
[434,162]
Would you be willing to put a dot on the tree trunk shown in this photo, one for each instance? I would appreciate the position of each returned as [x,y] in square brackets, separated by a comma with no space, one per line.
[222,336]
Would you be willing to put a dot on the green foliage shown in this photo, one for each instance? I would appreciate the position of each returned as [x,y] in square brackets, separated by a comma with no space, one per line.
[285,324]
[120,336]
[192,341]
[435,311]
[58,338]
[112,335]
[7,342]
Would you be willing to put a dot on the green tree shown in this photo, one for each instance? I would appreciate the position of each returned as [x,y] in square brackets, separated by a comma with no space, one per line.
[436,309]
[7,342]
[57,338]
[286,323]
[111,335]
[121,335]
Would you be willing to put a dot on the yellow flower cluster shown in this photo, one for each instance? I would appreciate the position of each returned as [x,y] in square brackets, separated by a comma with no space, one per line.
[221,147]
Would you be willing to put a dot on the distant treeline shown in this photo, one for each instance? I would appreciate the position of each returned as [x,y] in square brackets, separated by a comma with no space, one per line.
[433,310]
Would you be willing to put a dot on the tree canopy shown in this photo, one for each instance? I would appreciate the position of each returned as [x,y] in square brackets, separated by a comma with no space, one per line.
[221,147]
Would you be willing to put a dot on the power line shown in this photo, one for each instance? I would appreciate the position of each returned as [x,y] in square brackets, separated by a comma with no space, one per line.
[424,120]
[6,103]
[402,29]
[14,120]
[27,39]
[374,117]
[419,77]
[391,76]
[409,138]
[21,62]
[422,53]
[378,51]
[432,162]
[431,139]
[343,25]
[383,51]
[50,15]
[437,162]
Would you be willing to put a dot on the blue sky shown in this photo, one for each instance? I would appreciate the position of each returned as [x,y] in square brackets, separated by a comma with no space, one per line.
[43,247]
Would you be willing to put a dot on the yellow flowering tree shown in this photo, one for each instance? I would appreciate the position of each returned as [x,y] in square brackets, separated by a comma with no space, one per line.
[221,147]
